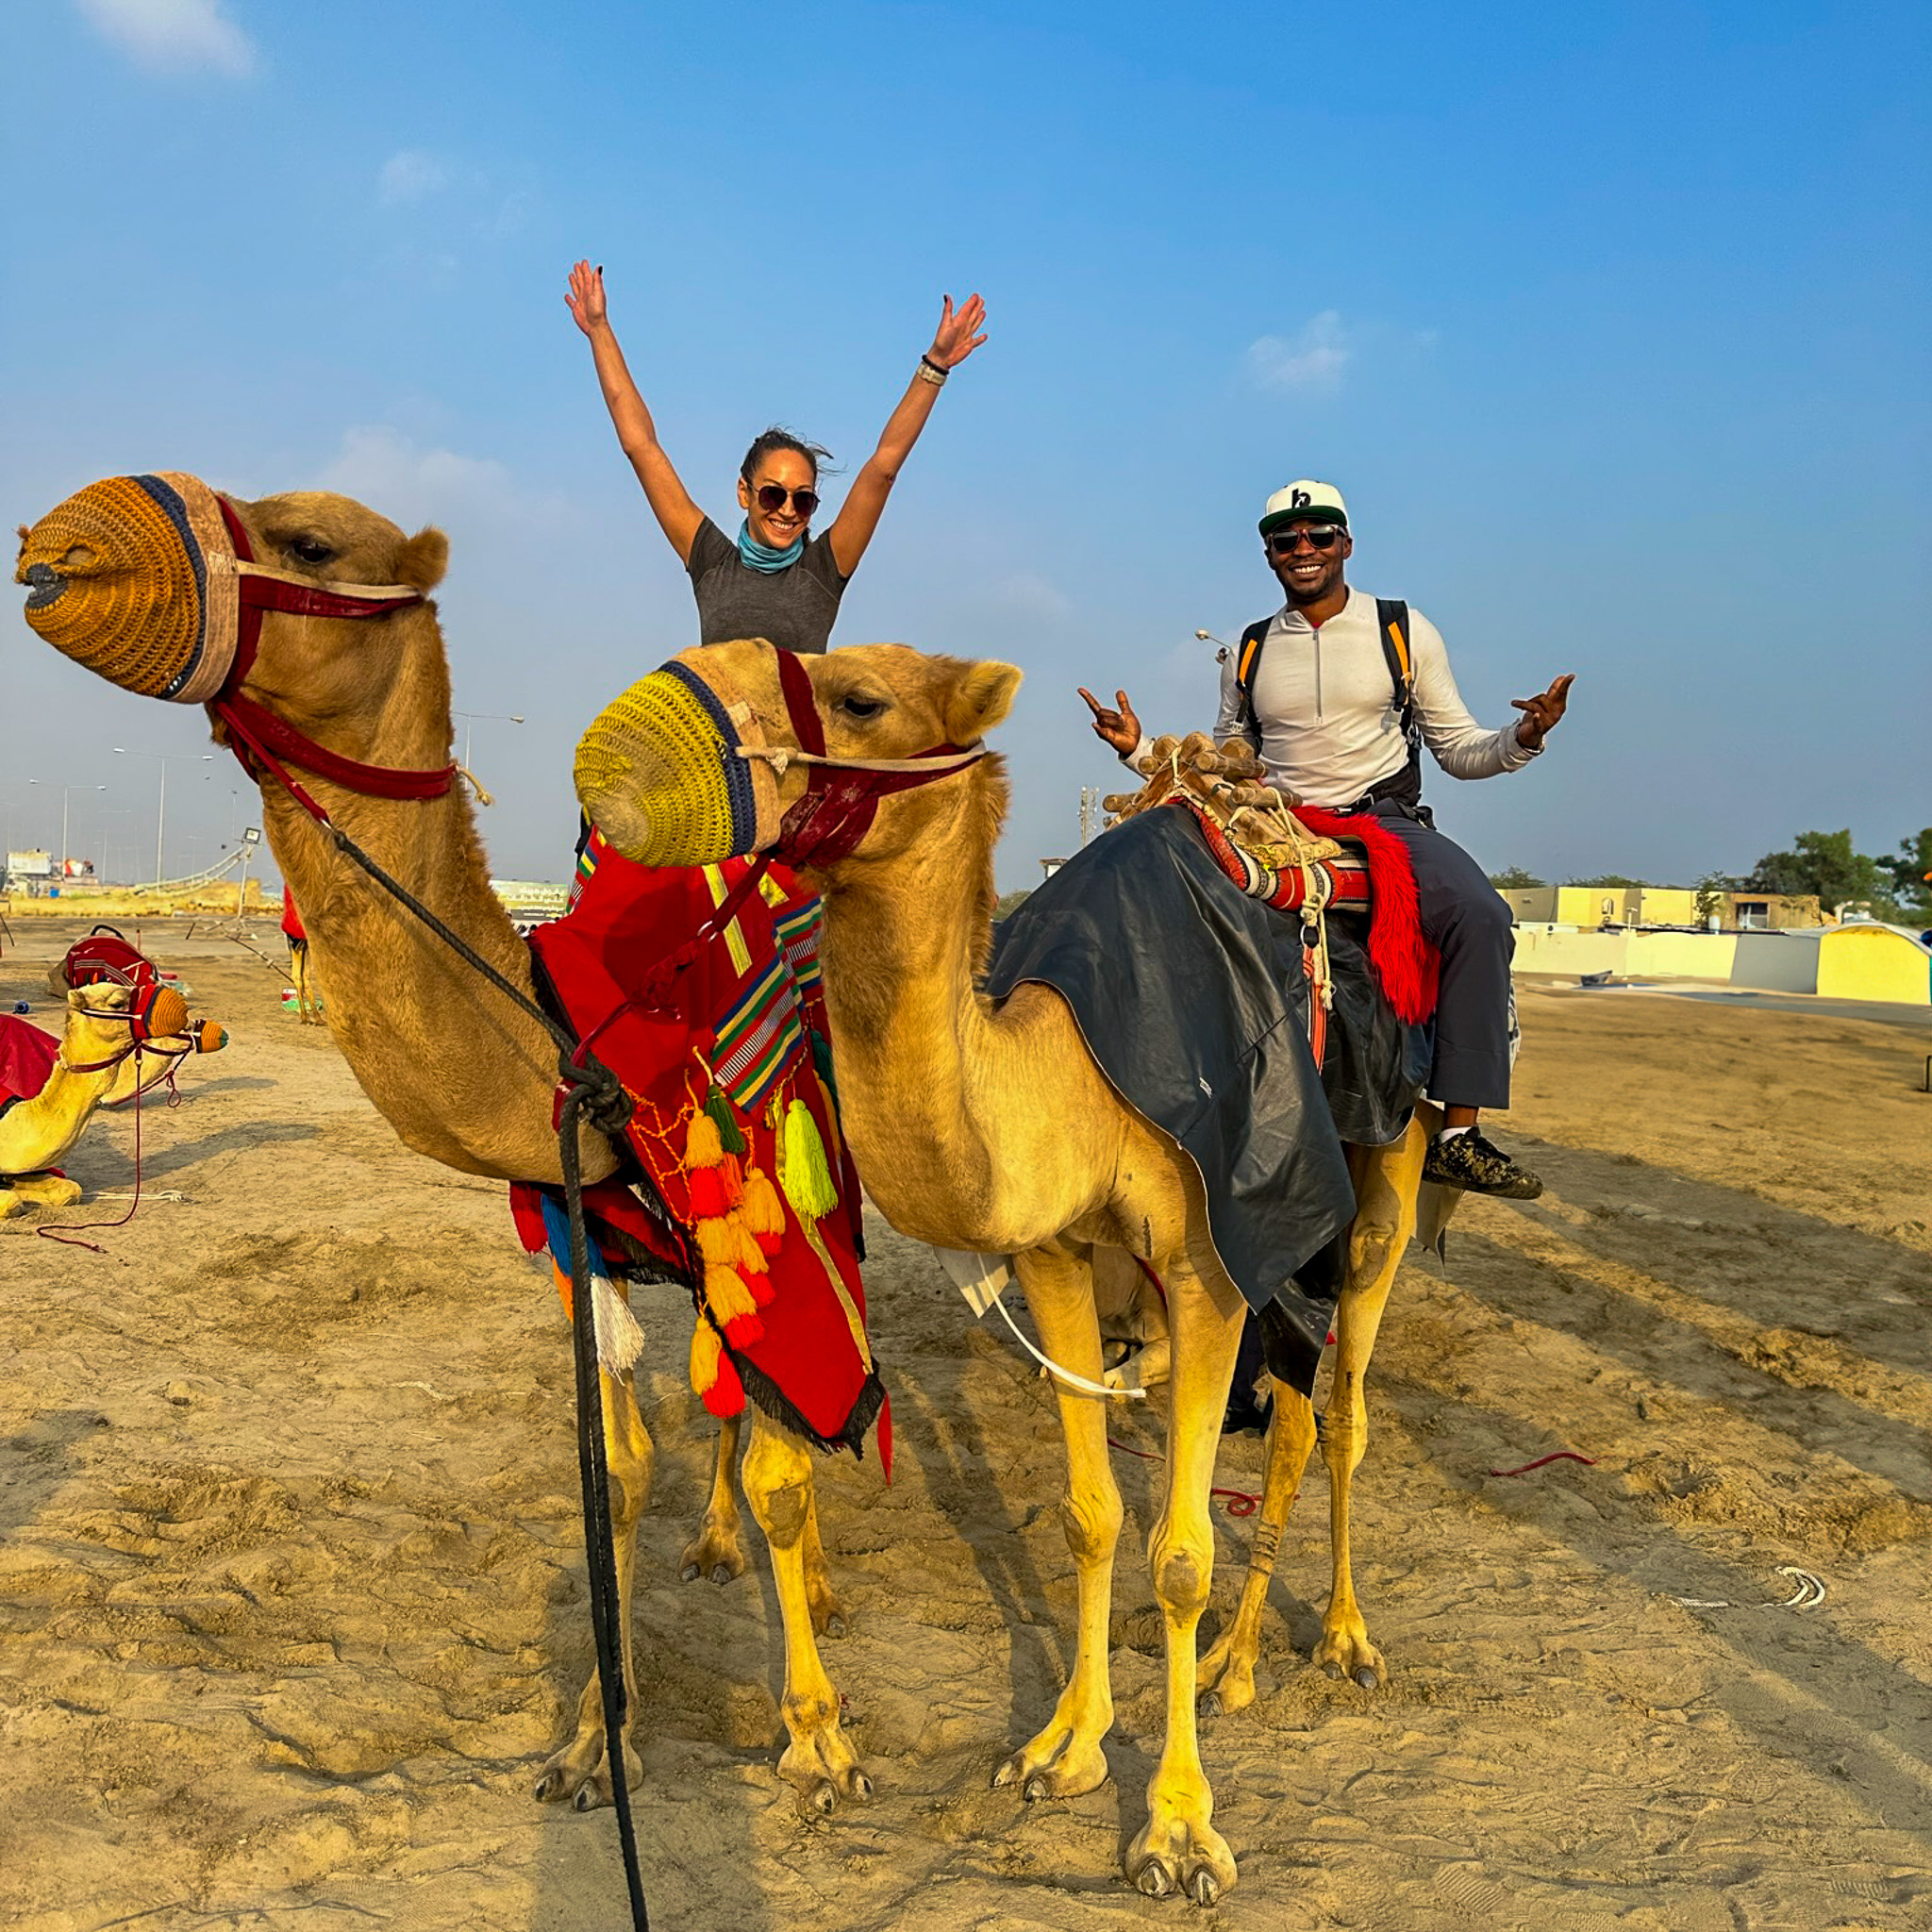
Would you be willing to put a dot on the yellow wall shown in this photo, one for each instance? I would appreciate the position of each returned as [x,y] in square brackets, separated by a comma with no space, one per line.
[1872,962]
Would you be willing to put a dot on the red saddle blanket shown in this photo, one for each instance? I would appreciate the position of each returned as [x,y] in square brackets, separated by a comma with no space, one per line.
[717,1030]
[26,1057]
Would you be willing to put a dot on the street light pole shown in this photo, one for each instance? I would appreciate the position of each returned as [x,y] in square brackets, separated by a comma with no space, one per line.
[206,757]
[469,719]
[67,791]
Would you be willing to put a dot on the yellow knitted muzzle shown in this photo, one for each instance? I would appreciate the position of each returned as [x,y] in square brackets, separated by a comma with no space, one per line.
[135,578]
[659,776]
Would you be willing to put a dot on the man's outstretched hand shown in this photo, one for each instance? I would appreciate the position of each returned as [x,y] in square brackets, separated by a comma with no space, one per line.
[1121,728]
[1540,714]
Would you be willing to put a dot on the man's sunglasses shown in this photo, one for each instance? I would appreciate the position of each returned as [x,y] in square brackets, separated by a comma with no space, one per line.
[1286,542]
[771,499]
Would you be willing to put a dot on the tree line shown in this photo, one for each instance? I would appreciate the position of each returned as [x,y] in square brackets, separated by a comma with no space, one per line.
[1895,886]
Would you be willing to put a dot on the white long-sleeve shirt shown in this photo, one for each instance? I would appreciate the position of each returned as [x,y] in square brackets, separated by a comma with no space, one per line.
[1325,702]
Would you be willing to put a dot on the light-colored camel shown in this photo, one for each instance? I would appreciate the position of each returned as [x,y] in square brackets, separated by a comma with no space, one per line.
[993,1129]
[40,1131]
[460,1073]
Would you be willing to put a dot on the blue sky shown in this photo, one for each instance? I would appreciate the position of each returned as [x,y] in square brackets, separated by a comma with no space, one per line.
[1609,320]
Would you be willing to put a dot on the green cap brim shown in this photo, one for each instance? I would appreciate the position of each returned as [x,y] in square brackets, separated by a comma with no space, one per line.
[1315,513]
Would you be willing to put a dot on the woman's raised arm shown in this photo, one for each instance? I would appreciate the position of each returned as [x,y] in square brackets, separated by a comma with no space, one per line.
[957,337]
[669,501]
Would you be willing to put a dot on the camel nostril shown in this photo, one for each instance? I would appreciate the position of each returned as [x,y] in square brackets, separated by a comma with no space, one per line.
[43,584]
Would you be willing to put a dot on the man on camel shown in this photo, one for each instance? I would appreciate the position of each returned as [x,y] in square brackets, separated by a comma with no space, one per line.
[1339,692]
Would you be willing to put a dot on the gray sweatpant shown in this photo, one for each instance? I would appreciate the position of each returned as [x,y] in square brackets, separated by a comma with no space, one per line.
[1464,917]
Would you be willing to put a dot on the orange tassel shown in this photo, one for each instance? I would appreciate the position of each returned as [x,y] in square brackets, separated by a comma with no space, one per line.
[702,1146]
[718,1242]
[765,1213]
[706,1354]
[732,1175]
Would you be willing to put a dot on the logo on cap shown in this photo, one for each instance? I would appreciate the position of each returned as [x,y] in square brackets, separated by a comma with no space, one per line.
[1300,500]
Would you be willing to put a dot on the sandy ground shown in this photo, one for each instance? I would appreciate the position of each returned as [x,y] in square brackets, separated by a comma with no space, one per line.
[292,1599]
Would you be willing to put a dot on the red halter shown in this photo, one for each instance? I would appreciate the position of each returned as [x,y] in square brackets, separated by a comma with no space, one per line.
[842,795]
[257,729]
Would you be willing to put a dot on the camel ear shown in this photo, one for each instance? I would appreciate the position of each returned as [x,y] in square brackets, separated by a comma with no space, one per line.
[981,698]
[423,558]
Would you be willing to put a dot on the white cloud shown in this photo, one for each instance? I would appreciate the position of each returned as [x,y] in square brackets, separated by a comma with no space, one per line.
[1311,360]
[511,217]
[408,176]
[476,498]
[1029,596]
[172,34]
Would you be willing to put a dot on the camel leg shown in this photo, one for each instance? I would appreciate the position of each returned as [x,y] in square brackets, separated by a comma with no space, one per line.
[580,1771]
[36,1190]
[717,1551]
[820,1762]
[1178,1846]
[1065,1759]
[1385,1180]
[827,1614]
[1227,1672]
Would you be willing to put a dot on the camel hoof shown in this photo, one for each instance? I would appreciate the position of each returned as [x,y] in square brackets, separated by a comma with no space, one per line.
[820,1801]
[723,1573]
[1333,1671]
[1037,1788]
[690,1573]
[835,1625]
[1368,1679]
[1210,1704]
[862,1791]
[549,1787]
[1205,1888]
[586,1799]
[1154,1880]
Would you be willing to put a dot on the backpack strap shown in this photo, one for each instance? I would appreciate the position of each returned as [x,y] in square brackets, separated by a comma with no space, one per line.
[1391,622]
[1247,664]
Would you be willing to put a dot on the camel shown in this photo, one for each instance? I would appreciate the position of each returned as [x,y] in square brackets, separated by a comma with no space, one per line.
[992,1130]
[39,1132]
[462,1076]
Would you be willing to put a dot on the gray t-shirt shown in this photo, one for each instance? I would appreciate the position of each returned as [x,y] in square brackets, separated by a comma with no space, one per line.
[793,608]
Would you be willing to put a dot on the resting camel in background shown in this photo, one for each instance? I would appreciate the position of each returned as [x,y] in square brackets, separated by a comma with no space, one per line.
[993,1129]
[460,1073]
[97,1066]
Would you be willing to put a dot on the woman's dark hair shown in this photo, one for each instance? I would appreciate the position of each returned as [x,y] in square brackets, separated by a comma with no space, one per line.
[775,438]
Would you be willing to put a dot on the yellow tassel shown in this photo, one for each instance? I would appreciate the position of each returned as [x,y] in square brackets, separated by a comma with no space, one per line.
[831,1112]
[702,1146]
[703,1356]
[717,1242]
[765,1213]
[803,1173]
[729,1299]
[749,1257]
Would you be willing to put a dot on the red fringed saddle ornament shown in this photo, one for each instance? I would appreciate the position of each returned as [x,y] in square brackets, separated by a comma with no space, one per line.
[732,1119]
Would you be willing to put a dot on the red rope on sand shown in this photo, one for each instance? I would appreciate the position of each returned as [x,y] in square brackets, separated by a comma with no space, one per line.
[1242,1502]
[1554,1456]
[53,1232]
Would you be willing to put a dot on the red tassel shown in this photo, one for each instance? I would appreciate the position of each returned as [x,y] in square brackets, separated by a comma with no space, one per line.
[724,1398]
[708,1201]
[763,1292]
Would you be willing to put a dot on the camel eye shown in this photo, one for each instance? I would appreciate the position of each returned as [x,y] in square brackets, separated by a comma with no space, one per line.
[854,705]
[311,549]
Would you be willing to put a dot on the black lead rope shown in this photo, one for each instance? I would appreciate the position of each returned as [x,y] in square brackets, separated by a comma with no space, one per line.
[596,1094]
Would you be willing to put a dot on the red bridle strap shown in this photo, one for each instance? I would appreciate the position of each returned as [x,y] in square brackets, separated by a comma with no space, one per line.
[258,729]
[842,795]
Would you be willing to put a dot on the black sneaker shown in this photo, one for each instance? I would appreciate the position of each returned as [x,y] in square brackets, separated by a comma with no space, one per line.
[1467,1161]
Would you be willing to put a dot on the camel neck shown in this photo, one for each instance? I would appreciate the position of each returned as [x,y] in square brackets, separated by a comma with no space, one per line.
[461,1073]
[943,1099]
[35,1132]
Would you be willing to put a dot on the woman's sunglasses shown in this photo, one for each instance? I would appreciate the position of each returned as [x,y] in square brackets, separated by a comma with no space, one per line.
[1286,542]
[771,499]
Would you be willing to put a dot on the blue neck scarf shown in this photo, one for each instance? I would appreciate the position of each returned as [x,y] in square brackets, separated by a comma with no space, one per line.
[756,555]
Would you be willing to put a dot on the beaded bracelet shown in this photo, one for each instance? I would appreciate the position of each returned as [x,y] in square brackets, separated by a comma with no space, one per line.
[930,370]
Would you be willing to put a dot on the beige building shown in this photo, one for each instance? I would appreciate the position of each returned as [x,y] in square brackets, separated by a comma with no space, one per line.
[1588,908]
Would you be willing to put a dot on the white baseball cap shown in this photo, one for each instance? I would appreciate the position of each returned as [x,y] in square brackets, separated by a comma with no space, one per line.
[1306,502]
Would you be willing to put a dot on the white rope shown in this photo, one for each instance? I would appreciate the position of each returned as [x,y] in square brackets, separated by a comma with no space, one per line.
[1066,1376]
[782,756]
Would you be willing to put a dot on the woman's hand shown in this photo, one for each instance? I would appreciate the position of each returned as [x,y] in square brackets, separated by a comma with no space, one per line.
[586,297]
[1120,728]
[956,338]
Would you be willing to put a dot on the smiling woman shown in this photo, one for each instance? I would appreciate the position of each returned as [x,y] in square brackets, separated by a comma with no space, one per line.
[778,581]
